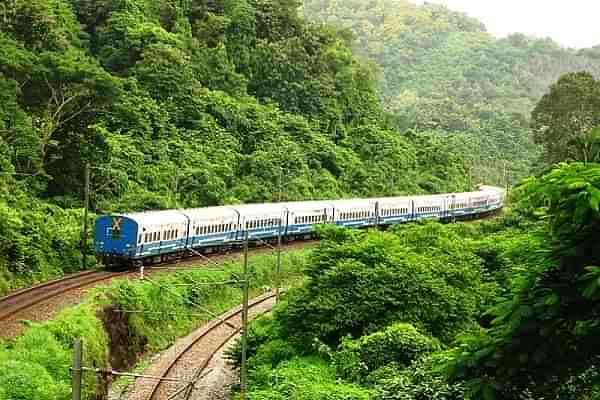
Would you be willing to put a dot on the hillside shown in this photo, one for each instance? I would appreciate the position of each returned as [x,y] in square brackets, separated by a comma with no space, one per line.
[184,104]
[441,70]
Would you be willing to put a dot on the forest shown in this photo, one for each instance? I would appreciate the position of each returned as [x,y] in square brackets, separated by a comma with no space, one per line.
[186,104]
[190,103]
[194,103]
[440,70]
[501,309]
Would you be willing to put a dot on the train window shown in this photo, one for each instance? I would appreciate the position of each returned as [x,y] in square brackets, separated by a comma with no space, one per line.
[140,238]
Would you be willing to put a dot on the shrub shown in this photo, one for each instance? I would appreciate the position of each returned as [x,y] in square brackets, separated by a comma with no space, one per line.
[368,282]
[399,343]
[20,380]
[302,379]
[422,380]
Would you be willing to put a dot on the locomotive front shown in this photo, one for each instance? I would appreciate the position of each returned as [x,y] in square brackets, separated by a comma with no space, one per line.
[115,239]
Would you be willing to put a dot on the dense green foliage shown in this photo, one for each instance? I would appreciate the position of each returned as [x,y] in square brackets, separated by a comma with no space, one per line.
[398,343]
[547,331]
[567,120]
[363,283]
[441,70]
[376,305]
[304,379]
[185,104]
[36,364]
[506,309]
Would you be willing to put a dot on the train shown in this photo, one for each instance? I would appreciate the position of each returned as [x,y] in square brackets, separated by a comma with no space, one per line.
[145,238]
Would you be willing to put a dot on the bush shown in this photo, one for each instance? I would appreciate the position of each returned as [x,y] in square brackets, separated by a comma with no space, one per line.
[368,281]
[422,380]
[302,379]
[20,380]
[43,356]
[399,343]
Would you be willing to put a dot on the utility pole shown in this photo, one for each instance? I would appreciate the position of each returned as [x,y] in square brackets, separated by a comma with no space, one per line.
[86,206]
[243,372]
[278,268]
[76,370]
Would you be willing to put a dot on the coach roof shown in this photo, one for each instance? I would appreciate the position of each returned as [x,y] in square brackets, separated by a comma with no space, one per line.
[153,218]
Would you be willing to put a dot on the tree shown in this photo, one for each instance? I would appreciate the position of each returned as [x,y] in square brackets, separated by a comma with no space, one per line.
[548,330]
[565,120]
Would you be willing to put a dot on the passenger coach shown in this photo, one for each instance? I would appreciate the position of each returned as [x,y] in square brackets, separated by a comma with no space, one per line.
[138,238]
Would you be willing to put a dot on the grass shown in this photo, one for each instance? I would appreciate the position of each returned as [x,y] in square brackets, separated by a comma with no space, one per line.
[37,364]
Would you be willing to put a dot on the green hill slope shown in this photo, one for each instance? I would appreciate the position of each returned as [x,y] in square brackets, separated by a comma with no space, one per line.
[184,104]
[441,70]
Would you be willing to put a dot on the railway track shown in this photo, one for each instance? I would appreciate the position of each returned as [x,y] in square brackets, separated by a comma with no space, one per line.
[29,297]
[24,300]
[185,364]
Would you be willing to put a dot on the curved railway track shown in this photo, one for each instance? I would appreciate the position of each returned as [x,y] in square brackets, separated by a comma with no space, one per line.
[185,364]
[26,298]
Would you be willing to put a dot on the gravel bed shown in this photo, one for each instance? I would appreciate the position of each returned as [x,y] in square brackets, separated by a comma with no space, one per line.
[216,384]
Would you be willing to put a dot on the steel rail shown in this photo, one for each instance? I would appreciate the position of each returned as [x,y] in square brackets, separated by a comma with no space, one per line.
[206,331]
